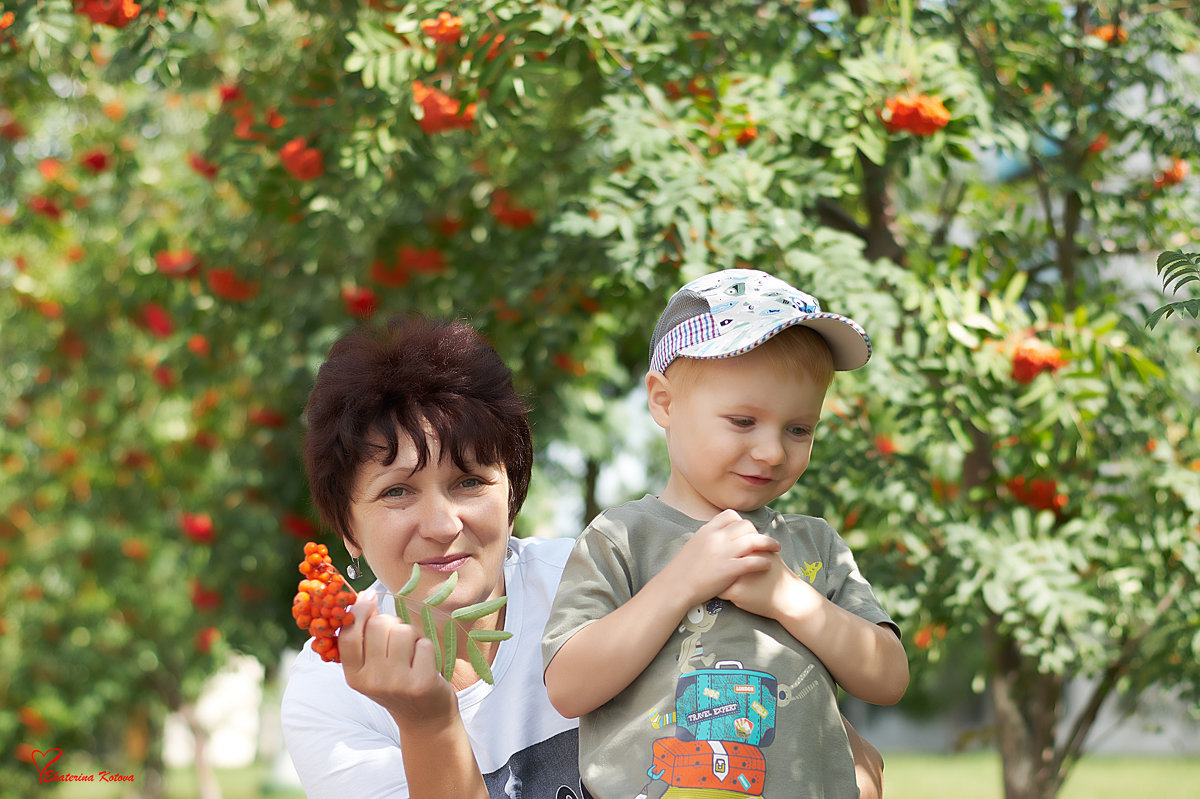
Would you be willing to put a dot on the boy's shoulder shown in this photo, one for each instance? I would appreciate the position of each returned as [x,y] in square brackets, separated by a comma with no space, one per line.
[651,508]
[648,508]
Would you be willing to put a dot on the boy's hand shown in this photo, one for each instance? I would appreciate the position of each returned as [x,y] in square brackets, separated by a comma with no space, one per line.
[766,592]
[726,549]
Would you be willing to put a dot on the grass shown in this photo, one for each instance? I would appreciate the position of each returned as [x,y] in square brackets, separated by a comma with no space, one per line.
[251,782]
[974,775]
[977,775]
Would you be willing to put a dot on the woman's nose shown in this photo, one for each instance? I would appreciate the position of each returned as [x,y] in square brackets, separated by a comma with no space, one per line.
[439,518]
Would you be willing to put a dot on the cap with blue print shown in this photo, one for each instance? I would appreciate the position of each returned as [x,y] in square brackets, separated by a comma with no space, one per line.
[731,312]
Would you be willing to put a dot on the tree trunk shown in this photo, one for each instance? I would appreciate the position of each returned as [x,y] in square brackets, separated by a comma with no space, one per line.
[1067,256]
[206,779]
[877,198]
[1027,705]
[591,505]
[144,746]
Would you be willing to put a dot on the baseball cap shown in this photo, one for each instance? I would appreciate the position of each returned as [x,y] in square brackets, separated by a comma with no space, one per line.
[733,311]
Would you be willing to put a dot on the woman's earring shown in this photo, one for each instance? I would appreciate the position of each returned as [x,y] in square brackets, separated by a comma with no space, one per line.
[353,570]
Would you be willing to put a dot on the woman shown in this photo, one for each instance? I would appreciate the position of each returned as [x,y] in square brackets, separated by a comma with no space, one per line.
[418,452]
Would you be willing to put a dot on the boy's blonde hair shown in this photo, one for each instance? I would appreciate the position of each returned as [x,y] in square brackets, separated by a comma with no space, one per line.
[795,349]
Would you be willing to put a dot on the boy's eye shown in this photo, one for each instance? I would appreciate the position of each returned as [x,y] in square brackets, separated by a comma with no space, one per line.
[741,421]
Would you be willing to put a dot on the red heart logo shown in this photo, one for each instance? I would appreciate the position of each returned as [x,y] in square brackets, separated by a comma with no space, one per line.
[42,768]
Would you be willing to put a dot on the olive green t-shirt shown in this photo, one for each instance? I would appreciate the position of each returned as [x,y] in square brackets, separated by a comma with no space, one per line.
[732,702]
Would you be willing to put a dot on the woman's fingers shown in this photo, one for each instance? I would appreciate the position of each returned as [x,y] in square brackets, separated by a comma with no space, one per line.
[350,638]
[381,648]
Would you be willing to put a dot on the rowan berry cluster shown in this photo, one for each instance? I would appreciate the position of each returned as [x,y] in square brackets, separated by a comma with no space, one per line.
[1034,356]
[1039,493]
[321,601]
[916,113]
[443,29]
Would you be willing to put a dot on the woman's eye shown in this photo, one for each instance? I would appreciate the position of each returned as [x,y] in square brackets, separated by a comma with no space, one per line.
[471,482]
[395,491]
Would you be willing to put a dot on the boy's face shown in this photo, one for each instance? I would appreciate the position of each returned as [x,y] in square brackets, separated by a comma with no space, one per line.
[739,432]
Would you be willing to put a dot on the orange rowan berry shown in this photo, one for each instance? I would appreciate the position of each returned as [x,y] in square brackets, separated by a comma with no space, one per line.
[320,603]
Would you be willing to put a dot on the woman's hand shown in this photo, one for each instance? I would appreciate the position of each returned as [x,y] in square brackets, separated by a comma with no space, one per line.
[392,663]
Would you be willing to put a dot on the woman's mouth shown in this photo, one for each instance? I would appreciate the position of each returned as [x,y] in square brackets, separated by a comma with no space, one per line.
[445,564]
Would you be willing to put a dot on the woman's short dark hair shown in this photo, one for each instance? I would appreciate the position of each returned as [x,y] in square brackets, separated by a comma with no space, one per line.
[400,377]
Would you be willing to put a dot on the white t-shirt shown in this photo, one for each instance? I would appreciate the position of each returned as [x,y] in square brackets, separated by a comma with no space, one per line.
[345,745]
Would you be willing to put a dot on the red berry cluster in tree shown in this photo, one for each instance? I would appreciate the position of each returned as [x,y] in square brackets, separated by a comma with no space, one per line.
[916,113]
[1175,174]
[117,13]
[443,29]
[1034,356]
[1111,34]
[1040,493]
[442,112]
[321,601]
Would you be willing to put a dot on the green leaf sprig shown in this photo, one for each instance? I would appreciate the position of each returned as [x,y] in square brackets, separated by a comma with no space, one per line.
[445,642]
[1177,268]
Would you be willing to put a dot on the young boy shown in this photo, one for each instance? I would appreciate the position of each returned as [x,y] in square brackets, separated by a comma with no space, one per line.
[700,635]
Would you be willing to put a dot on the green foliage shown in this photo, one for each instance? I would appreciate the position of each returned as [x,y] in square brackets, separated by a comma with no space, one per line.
[946,483]
[445,638]
[1177,269]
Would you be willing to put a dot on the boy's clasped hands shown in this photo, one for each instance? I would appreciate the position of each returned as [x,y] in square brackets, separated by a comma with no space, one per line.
[729,559]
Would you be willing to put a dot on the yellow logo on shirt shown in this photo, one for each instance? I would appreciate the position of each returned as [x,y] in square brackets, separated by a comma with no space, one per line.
[810,571]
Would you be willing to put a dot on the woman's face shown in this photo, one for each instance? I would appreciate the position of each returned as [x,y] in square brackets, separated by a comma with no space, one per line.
[443,518]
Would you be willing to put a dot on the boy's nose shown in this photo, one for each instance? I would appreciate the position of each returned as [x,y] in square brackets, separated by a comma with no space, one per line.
[769,450]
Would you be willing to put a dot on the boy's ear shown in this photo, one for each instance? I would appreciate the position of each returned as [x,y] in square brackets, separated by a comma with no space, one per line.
[658,397]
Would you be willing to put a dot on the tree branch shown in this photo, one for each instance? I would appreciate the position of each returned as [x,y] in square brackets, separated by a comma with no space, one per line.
[949,210]
[832,215]
[1066,757]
